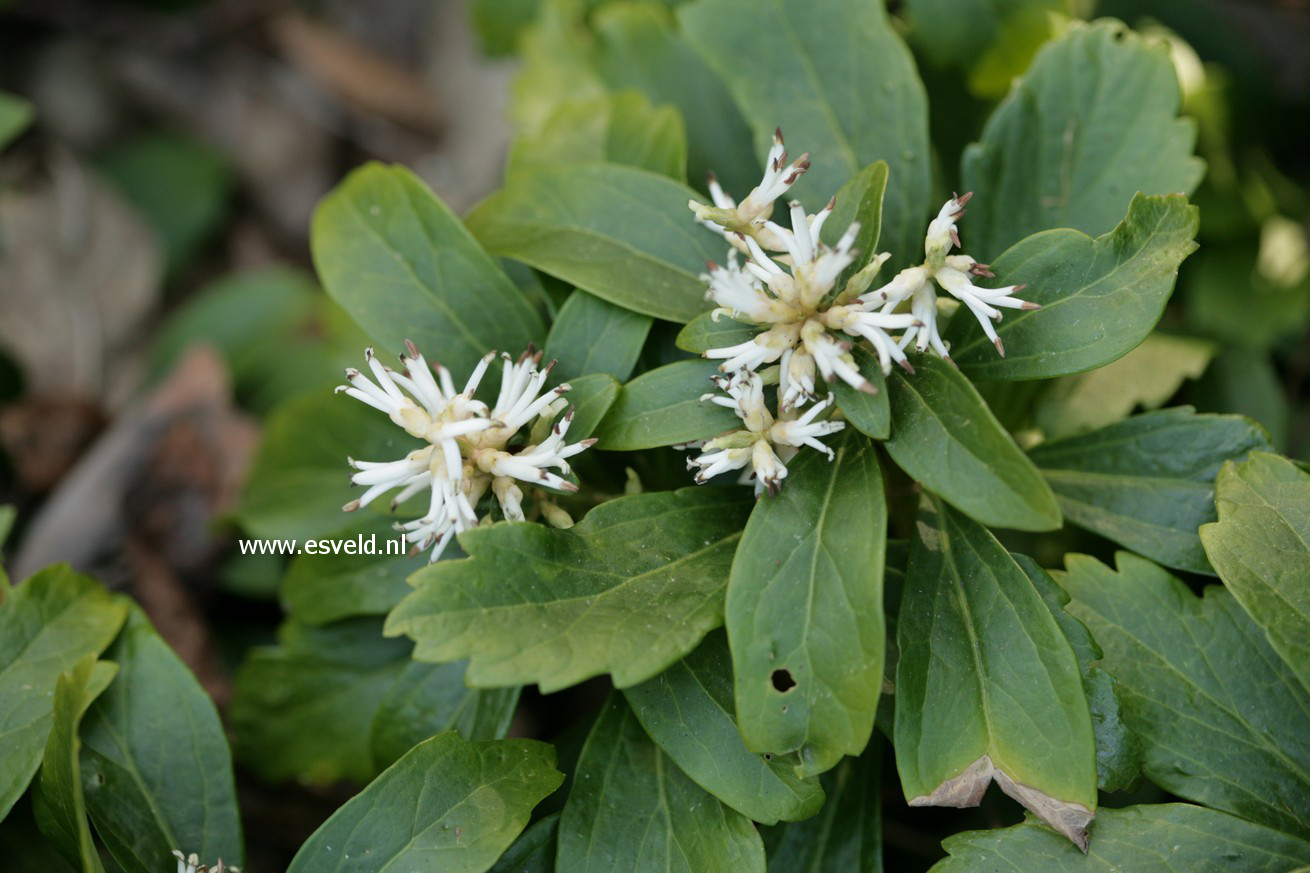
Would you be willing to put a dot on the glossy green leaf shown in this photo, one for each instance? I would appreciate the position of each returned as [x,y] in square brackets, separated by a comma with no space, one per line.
[846,835]
[404,267]
[1221,717]
[1148,482]
[1144,378]
[156,769]
[662,407]
[632,809]
[870,414]
[1118,749]
[1099,297]
[590,335]
[860,199]
[591,396]
[623,234]
[449,804]
[1092,123]
[1168,838]
[987,687]
[628,591]
[836,77]
[638,45]
[705,332]
[533,851]
[301,477]
[59,806]
[47,624]
[688,711]
[804,610]
[304,709]
[943,434]
[619,128]
[15,116]
[1261,548]
[429,699]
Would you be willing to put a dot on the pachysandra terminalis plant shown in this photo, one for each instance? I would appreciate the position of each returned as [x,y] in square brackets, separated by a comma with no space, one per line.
[939,526]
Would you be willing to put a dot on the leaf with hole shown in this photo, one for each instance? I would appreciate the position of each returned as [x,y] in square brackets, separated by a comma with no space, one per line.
[804,611]
[688,711]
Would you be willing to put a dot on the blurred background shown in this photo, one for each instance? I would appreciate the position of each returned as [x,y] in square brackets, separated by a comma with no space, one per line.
[157,299]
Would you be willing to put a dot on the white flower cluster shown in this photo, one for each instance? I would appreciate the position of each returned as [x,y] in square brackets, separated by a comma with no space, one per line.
[191,864]
[469,449]
[784,281]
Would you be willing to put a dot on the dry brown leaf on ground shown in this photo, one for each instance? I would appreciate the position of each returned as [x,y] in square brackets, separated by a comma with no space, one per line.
[79,274]
[150,490]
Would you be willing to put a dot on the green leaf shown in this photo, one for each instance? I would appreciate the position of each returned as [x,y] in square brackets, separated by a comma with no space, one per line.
[1261,548]
[638,46]
[397,259]
[1099,297]
[1148,482]
[1146,377]
[870,414]
[846,835]
[688,711]
[619,128]
[47,624]
[533,851]
[705,332]
[662,407]
[326,587]
[1222,718]
[1168,838]
[428,699]
[987,686]
[591,396]
[499,23]
[305,708]
[628,591]
[1092,123]
[181,186]
[623,234]
[1118,750]
[301,478]
[592,336]
[804,610]
[943,434]
[156,769]
[555,50]
[632,809]
[860,199]
[834,75]
[15,116]
[60,810]
[449,804]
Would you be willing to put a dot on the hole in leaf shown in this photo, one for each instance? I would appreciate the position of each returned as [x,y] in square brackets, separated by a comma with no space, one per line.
[768,757]
[782,681]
